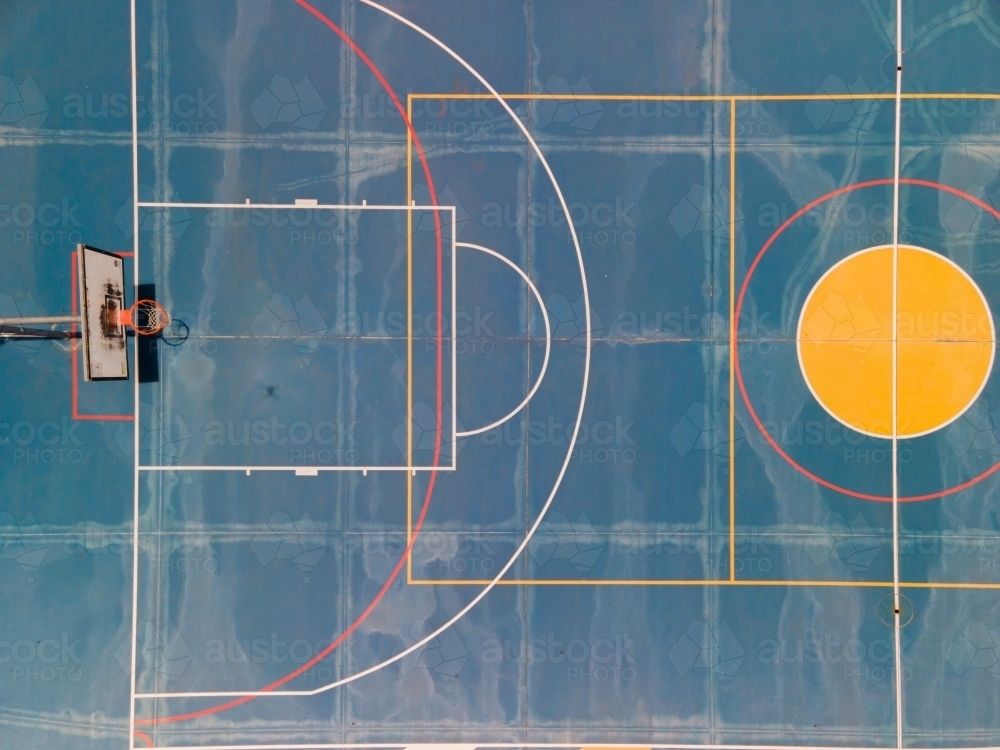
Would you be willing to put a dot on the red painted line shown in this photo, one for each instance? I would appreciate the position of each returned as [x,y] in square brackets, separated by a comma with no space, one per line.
[144,737]
[739,306]
[74,355]
[440,408]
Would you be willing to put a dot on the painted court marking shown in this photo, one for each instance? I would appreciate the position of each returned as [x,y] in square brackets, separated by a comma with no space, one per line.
[316,206]
[896,499]
[741,298]
[898,686]
[548,339]
[565,465]
[944,329]
[488,745]
[437,444]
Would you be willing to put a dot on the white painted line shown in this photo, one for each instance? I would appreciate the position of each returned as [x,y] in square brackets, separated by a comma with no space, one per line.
[319,206]
[895,425]
[454,341]
[548,339]
[306,202]
[296,469]
[135,390]
[583,745]
[571,439]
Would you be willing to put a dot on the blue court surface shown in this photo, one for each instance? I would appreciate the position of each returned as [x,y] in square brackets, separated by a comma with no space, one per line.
[541,373]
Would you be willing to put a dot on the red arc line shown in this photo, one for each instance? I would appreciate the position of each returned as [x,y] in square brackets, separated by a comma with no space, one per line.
[739,306]
[440,408]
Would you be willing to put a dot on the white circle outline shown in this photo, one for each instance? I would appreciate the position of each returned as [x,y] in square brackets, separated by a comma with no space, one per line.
[946,259]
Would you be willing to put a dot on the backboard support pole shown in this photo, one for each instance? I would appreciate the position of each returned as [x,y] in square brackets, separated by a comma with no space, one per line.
[42,320]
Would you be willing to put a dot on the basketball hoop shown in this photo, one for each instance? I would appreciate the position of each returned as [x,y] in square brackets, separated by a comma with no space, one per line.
[146,317]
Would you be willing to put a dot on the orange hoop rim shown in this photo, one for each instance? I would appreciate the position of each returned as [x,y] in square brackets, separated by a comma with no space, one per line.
[162,317]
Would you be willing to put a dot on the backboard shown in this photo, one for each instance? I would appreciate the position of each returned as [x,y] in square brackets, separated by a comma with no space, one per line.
[102,294]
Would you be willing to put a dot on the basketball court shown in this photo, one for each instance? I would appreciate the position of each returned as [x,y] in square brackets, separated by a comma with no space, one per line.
[494,374]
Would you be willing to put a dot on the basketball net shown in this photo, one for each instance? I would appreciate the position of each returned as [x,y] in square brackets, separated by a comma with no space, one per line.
[146,317]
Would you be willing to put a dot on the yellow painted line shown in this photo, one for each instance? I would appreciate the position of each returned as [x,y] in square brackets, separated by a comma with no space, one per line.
[733,99]
[732,340]
[682,582]
[710,97]
[651,582]
[409,341]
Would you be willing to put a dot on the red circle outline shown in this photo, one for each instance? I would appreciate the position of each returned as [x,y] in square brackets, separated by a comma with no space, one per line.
[735,345]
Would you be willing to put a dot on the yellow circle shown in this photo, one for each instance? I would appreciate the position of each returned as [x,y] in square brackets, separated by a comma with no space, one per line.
[944,341]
